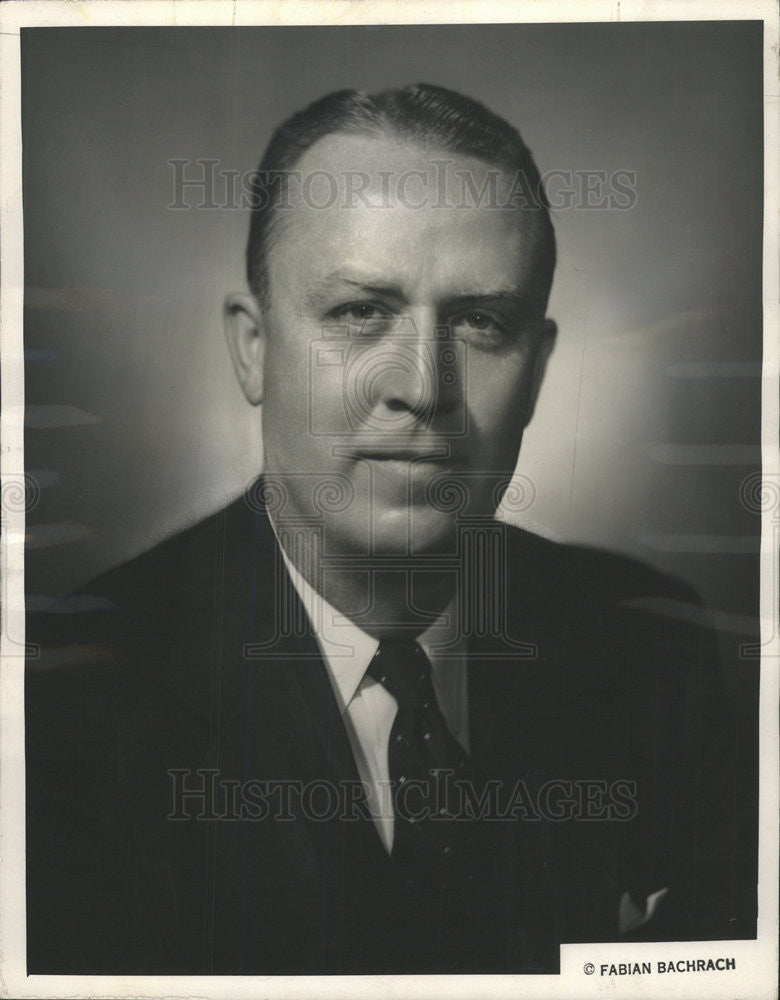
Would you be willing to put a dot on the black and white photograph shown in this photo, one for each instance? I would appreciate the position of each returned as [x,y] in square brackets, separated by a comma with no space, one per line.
[390,502]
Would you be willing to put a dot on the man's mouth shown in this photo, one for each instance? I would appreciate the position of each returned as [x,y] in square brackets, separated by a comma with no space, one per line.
[424,453]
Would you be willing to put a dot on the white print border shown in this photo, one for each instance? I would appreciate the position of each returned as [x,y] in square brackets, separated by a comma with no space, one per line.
[754,975]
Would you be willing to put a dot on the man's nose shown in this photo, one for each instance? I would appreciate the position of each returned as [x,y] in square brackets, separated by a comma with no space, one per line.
[407,377]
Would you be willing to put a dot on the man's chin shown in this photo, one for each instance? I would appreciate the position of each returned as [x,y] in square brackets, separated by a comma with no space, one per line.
[415,531]
[406,532]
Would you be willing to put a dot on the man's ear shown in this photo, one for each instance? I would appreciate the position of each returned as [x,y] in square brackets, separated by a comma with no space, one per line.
[543,352]
[246,337]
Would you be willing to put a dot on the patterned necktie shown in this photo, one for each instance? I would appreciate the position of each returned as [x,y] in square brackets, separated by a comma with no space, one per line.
[431,838]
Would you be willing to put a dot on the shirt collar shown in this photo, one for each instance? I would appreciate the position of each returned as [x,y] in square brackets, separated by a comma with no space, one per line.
[348,650]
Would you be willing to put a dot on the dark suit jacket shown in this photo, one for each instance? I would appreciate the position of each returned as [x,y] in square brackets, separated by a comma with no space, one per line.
[188,659]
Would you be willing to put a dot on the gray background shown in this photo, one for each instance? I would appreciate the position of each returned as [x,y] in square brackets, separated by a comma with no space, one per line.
[650,418]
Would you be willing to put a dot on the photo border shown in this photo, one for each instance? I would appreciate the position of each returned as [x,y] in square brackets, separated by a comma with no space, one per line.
[756,961]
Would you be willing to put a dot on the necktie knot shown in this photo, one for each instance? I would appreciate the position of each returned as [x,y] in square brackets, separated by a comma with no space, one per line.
[405,671]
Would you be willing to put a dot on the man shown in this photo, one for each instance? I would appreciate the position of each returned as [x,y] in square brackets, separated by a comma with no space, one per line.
[353,723]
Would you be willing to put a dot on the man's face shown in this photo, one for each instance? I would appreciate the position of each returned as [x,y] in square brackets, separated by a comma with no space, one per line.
[400,348]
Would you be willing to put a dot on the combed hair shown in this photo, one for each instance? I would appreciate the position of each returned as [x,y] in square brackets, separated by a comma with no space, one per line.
[434,118]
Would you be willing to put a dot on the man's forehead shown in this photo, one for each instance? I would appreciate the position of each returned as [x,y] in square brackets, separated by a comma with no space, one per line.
[401,253]
[415,216]
[382,170]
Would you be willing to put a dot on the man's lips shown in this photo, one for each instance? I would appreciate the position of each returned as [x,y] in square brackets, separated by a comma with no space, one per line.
[404,456]
[436,452]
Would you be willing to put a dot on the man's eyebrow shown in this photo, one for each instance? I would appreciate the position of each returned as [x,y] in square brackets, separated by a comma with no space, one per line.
[365,284]
[511,296]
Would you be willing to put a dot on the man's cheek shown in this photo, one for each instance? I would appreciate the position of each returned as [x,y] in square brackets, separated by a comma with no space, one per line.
[494,439]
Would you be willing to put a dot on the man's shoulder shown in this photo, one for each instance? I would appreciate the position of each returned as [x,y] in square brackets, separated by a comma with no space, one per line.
[183,560]
[180,568]
[612,614]
[121,633]
[586,574]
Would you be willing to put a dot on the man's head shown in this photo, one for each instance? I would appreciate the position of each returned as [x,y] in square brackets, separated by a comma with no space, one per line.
[438,120]
[400,259]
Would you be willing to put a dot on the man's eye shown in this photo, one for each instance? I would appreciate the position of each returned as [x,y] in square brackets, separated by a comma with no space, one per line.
[481,323]
[360,313]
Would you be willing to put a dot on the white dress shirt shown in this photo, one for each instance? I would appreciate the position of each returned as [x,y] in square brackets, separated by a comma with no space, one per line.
[367,707]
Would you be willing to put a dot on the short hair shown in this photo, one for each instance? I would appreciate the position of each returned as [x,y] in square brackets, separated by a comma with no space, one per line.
[432,117]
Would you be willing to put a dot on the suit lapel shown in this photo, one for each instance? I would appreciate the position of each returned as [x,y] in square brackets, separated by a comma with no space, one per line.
[241,649]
